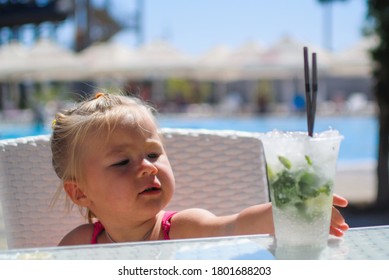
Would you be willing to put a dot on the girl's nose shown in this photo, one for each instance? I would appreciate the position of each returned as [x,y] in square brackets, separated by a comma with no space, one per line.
[147,168]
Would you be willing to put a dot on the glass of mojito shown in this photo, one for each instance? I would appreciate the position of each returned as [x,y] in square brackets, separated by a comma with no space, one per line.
[301,172]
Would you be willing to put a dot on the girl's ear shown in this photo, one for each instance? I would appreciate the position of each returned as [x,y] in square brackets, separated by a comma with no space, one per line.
[76,194]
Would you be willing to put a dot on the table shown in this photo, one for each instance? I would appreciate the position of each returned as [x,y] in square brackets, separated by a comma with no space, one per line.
[358,243]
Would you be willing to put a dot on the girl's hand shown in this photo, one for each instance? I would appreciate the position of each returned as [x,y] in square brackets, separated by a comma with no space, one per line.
[338,224]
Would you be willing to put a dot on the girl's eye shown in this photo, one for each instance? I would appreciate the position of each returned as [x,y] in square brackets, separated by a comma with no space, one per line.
[153,156]
[121,163]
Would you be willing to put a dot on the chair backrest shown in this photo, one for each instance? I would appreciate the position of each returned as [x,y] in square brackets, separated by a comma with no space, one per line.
[222,171]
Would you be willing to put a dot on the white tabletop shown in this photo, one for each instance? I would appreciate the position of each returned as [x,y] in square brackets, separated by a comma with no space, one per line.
[358,243]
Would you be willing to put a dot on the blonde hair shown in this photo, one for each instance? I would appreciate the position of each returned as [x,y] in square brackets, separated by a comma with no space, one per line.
[98,114]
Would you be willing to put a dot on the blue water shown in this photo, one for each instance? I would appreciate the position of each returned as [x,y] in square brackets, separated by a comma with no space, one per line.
[360,133]
[359,144]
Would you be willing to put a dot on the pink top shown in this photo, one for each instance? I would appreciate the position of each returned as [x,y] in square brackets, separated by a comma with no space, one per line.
[98,227]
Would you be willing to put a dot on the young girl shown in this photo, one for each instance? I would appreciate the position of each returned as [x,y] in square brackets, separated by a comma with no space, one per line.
[111,160]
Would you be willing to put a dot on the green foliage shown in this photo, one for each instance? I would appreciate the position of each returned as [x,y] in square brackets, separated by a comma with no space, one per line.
[378,16]
[188,91]
[298,186]
[178,88]
[378,13]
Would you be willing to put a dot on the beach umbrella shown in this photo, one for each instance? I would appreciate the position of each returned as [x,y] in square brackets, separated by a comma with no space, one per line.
[12,60]
[48,61]
[110,60]
[354,61]
[212,64]
[160,59]
[285,59]
[245,54]
[243,59]
[225,64]
[240,61]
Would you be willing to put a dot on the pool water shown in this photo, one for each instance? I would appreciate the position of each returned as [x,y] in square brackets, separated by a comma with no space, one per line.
[360,133]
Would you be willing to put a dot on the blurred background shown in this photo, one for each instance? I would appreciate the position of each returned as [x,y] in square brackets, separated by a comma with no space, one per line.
[207,64]
[55,51]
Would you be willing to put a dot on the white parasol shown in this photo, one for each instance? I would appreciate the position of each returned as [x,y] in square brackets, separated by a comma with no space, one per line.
[212,64]
[109,60]
[48,61]
[159,59]
[12,60]
[354,61]
[285,59]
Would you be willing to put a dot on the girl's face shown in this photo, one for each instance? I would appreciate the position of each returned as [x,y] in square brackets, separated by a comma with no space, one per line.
[129,176]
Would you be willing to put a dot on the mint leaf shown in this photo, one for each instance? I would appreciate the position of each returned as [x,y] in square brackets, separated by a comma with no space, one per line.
[308,185]
[284,188]
[308,159]
[285,162]
[270,173]
[326,188]
[298,188]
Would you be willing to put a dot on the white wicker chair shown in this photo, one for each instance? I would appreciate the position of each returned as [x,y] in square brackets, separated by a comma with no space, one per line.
[222,171]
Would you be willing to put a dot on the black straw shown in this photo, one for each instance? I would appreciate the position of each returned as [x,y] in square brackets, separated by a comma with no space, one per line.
[310,92]
[314,89]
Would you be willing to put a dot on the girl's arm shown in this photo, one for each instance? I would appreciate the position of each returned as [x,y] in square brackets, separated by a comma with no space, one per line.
[194,223]
[256,219]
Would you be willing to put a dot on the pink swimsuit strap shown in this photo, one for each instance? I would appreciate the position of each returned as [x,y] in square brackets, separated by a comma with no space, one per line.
[98,227]
[166,223]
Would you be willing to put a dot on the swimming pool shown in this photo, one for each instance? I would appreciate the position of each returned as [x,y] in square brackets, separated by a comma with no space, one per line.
[360,132]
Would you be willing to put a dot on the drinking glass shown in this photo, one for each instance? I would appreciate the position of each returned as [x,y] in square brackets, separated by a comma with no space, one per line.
[301,172]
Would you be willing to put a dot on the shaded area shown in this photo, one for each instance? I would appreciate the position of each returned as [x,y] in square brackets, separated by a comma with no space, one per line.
[363,216]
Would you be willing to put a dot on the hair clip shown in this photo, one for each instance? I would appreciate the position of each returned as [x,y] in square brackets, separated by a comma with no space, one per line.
[99,94]
[53,123]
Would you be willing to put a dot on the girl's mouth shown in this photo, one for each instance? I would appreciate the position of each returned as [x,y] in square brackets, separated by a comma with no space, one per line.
[151,190]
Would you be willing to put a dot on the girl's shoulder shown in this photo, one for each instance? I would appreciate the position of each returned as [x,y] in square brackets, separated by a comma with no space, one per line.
[78,236]
[193,214]
[191,223]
